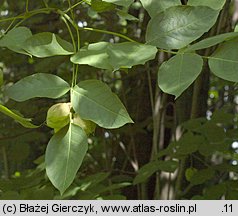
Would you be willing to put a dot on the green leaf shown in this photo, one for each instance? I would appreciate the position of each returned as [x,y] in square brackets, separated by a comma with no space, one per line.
[20,183]
[113,187]
[215,192]
[232,194]
[15,38]
[146,171]
[236,28]
[38,85]
[178,26]
[168,166]
[125,16]
[232,133]
[23,121]
[211,41]
[93,180]
[208,149]
[150,168]
[224,61]
[125,3]
[154,7]
[64,155]
[202,176]
[189,173]
[94,54]
[128,54]
[10,195]
[212,132]
[93,100]
[222,116]
[179,72]
[197,197]
[47,44]
[214,4]
[113,197]
[39,193]
[101,6]
[193,124]
[114,56]
[232,189]
[188,144]
[215,139]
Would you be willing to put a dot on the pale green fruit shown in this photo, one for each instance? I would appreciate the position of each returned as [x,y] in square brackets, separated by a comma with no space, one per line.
[58,116]
[87,125]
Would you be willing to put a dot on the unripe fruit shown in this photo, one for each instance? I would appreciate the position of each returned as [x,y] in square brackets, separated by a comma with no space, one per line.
[87,125]
[58,116]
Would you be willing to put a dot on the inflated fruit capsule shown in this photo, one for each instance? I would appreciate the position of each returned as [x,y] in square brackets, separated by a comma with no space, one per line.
[87,125]
[58,116]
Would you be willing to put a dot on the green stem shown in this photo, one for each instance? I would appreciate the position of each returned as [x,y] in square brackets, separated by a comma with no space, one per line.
[27,4]
[45,3]
[78,38]
[76,74]
[71,34]
[71,11]
[168,51]
[107,32]
[73,22]
[73,6]
[9,27]
[29,14]
[12,18]
[157,186]
[73,77]
[74,46]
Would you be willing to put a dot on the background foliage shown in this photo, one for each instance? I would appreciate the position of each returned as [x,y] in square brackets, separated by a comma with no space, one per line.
[169,66]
